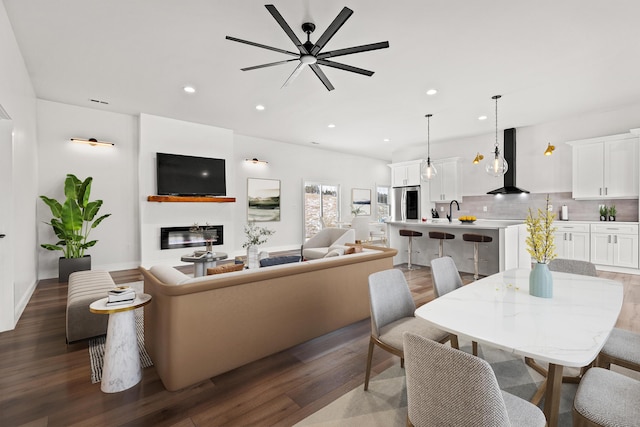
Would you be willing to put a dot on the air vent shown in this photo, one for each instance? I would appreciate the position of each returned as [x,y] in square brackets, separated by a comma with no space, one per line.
[97,101]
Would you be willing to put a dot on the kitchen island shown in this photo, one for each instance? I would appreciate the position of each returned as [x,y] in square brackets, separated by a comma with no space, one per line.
[507,249]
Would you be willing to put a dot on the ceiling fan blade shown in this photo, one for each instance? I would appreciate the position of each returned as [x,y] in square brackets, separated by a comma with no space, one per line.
[323,78]
[342,17]
[271,64]
[287,29]
[262,46]
[355,49]
[345,67]
[295,73]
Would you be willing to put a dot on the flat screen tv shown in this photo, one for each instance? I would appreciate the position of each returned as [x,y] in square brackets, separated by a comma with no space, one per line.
[179,175]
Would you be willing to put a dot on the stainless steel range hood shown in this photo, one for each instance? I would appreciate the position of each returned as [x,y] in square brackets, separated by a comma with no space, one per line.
[509,153]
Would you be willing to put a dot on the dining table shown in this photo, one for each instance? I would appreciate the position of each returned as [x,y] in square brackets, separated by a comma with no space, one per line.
[567,330]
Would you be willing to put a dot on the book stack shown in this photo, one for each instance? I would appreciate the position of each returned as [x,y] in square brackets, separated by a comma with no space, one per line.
[120,296]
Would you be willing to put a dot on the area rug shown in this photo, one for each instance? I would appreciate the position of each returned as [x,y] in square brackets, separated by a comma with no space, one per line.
[385,404]
[96,345]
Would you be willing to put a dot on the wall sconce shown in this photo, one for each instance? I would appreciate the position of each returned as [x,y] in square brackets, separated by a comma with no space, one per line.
[93,142]
[256,161]
[478,158]
[549,149]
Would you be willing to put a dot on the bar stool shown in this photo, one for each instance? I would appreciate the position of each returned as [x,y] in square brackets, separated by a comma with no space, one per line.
[476,239]
[442,236]
[410,234]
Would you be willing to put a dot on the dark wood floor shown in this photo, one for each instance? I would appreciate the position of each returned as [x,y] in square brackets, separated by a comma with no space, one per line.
[44,382]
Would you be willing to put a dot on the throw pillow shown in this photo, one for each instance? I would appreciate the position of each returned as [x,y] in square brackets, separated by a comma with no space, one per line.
[277,260]
[335,252]
[224,268]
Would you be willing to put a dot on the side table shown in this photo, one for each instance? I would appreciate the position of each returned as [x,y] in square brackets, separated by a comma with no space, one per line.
[204,261]
[121,368]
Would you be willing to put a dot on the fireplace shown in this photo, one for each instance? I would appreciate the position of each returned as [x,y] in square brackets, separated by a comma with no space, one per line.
[181,237]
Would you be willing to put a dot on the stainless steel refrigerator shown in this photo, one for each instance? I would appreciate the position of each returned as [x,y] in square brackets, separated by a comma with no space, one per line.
[405,203]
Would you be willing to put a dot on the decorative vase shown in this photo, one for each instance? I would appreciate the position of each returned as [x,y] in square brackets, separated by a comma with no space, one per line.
[252,257]
[540,281]
[210,246]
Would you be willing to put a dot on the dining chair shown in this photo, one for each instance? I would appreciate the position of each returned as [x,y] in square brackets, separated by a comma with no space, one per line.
[446,279]
[392,313]
[622,348]
[606,398]
[573,266]
[448,387]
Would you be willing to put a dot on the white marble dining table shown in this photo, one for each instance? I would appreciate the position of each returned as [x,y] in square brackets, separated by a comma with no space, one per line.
[568,329]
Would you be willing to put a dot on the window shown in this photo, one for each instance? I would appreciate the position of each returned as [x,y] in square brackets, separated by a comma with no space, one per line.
[382,203]
[321,207]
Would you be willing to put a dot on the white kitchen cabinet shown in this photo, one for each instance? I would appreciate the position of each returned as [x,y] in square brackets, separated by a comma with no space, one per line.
[614,244]
[572,241]
[606,167]
[405,173]
[447,184]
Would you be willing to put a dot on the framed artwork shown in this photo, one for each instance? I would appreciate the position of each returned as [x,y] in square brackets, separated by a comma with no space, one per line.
[263,200]
[360,201]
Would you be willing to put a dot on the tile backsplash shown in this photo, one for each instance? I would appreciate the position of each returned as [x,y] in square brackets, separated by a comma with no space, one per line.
[516,206]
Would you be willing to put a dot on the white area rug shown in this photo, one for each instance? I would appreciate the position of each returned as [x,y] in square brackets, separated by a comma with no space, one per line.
[96,345]
[385,404]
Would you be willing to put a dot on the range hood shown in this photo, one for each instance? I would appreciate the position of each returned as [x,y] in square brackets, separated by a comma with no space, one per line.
[509,153]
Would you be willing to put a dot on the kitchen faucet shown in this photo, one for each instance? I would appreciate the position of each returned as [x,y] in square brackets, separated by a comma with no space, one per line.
[450,207]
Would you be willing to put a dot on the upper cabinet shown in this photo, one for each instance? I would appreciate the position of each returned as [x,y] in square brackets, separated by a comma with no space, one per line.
[405,173]
[447,184]
[606,167]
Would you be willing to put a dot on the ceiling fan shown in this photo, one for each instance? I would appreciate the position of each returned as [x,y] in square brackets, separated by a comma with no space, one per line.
[309,53]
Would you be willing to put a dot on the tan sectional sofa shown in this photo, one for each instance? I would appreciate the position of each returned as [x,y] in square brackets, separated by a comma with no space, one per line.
[208,325]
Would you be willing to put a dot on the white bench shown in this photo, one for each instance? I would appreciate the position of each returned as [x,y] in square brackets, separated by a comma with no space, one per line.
[84,288]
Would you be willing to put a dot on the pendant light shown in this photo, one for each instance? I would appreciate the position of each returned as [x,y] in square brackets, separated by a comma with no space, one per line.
[498,166]
[428,170]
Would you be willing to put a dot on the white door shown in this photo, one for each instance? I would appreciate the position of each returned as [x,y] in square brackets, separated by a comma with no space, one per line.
[7,304]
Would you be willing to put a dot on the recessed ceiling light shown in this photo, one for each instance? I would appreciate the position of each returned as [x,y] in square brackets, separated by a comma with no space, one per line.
[482,118]
[260,107]
[189,89]
[386,140]
[331,125]
[432,91]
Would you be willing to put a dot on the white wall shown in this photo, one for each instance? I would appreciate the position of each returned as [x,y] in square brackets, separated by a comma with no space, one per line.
[18,280]
[115,180]
[164,135]
[536,173]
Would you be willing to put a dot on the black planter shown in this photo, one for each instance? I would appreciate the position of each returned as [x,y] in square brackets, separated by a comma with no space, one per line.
[612,218]
[603,218]
[66,266]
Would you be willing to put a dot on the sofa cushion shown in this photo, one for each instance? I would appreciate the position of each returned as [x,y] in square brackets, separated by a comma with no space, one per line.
[314,253]
[169,275]
[267,262]
[224,268]
[334,252]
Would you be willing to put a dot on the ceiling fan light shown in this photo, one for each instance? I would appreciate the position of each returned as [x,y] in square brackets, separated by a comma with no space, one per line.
[549,150]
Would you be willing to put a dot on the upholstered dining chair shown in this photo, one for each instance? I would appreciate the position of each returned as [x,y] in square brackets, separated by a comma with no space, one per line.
[448,387]
[446,279]
[392,314]
[622,348]
[573,266]
[606,398]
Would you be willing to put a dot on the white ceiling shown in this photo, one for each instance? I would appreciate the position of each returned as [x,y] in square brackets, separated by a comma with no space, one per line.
[549,59]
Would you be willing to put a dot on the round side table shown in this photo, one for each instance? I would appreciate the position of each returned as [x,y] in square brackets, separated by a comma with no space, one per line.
[202,262]
[121,368]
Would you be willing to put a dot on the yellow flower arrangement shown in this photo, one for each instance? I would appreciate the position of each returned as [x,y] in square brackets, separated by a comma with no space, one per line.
[540,243]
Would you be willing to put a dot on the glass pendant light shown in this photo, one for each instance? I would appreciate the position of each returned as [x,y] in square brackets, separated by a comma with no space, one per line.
[498,165]
[428,170]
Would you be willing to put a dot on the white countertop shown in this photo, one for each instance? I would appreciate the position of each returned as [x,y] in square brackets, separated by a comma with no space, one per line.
[484,224]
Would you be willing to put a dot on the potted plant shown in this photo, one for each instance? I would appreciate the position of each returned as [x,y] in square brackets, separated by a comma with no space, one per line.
[541,247]
[603,212]
[612,213]
[255,236]
[72,221]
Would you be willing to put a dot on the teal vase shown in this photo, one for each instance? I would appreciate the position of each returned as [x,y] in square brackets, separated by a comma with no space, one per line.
[540,281]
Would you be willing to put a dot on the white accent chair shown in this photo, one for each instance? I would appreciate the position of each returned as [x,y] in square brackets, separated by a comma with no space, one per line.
[448,387]
[392,314]
[318,245]
[360,224]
